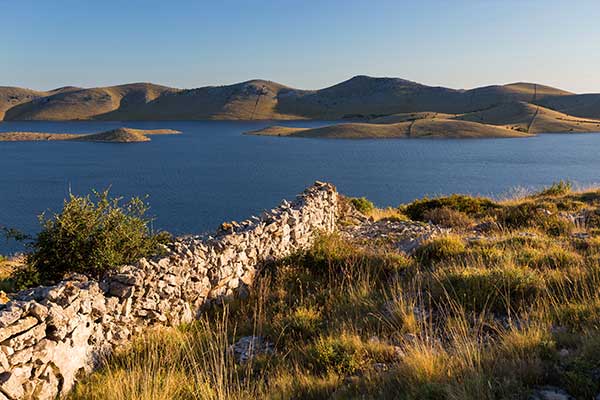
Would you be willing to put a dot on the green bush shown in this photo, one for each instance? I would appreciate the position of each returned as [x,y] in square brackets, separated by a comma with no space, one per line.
[93,235]
[472,206]
[362,204]
[557,189]
[448,218]
[343,355]
[444,248]
[304,322]
[534,215]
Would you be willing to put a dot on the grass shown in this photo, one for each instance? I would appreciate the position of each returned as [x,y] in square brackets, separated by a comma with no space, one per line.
[469,316]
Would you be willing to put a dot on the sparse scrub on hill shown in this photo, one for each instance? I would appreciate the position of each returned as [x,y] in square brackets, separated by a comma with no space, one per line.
[362,204]
[559,188]
[448,218]
[469,316]
[471,206]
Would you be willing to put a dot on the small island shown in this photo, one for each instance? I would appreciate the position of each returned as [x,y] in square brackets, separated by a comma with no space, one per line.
[119,135]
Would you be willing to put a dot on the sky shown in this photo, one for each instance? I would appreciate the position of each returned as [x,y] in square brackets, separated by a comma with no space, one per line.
[306,44]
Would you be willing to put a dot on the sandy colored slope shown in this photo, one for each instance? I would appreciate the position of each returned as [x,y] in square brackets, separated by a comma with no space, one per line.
[580,105]
[364,96]
[86,103]
[247,101]
[13,96]
[119,135]
[405,117]
[531,118]
[442,128]
[361,96]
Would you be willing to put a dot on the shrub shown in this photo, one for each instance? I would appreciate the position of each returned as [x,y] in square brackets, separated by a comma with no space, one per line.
[578,315]
[342,355]
[362,204]
[304,322]
[448,218]
[472,206]
[557,189]
[92,236]
[534,215]
[332,252]
[481,289]
[441,249]
[557,258]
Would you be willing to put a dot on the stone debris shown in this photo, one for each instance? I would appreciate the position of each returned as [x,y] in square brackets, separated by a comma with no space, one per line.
[405,236]
[550,393]
[51,336]
[249,347]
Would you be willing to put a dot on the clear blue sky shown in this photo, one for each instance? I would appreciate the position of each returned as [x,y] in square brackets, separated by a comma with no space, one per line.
[307,44]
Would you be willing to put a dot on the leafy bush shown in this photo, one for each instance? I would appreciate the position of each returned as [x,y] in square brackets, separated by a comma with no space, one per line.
[304,322]
[557,189]
[362,204]
[343,355]
[472,206]
[448,218]
[92,236]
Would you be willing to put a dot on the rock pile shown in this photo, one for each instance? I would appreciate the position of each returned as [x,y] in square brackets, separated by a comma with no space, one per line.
[50,335]
[405,236]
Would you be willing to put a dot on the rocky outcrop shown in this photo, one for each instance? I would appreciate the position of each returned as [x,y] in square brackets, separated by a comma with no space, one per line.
[51,336]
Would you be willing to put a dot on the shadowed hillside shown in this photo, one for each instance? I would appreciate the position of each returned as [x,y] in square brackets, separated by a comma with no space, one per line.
[580,105]
[531,118]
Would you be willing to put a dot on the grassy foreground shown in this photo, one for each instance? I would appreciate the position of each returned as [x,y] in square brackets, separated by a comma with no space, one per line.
[491,313]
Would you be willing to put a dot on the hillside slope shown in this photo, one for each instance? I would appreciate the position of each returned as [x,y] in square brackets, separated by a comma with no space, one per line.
[531,118]
[580,105]
[87,103]
[358,97]
[250,100]
[421,128]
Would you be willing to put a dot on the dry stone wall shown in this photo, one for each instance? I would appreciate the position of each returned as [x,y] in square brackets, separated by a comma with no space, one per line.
[50,336]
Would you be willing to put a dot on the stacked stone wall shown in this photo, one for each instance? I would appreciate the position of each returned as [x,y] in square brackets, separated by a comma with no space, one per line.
[51,336]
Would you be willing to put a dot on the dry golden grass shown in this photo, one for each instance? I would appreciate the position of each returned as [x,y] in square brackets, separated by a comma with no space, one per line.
[421,128]
[463,319]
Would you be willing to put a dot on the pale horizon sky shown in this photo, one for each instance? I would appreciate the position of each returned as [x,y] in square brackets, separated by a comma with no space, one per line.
[309,44]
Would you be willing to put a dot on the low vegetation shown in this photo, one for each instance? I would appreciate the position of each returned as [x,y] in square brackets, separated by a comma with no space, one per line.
[496,308]
[91,235]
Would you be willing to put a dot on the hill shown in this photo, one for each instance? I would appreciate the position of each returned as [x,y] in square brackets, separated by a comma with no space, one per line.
[75,103]
[119,135]
[358,97]
[368,97]
[13,96]
[256,99]
[531,118]
[420,128]
[580,105]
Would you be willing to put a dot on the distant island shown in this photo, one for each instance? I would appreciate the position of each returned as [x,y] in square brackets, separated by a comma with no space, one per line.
[515,109]
[513,119]
[119,135]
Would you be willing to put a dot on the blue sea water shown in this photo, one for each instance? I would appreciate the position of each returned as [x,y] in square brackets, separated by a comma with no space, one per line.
[212,173]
